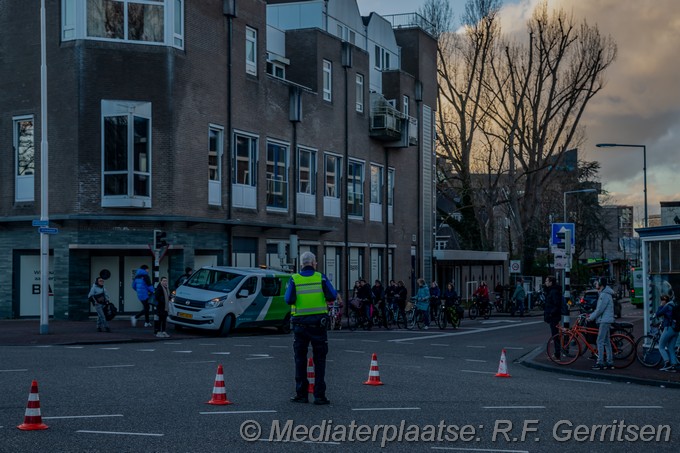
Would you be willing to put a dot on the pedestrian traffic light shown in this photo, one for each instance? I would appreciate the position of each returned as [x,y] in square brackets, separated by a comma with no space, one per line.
[159,239]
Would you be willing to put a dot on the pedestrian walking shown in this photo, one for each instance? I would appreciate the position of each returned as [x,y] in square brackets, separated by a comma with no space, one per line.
[162,296]
[603,315]
[308,293]
[99,297]
[142,285]
[552,310]
[669,335]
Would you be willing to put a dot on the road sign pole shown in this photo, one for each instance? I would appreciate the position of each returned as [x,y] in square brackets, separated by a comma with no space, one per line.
[566,319]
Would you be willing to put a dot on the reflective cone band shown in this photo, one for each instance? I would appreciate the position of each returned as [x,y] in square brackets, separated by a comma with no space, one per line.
[374,373]
[33,419]
[502,367]
[310,375]
[219,394]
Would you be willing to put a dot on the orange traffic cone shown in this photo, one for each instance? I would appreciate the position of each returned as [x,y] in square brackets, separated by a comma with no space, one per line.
[310,375]
[502,366]
[374,372]
[32,418]
[219,394]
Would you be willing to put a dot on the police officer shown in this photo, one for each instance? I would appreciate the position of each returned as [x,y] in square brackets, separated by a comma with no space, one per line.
[308,293]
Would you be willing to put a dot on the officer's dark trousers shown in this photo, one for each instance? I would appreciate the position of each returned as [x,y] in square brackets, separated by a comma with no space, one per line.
[303,336]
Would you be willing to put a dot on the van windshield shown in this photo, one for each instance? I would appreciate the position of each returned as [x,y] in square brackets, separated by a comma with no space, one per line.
[214,280]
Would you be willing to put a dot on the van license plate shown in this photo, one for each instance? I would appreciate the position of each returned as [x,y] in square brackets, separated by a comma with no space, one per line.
[185,315]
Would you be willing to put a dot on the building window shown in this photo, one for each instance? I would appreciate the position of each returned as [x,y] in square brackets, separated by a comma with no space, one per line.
[215,144]
[142,21]
[24,156]
[251,51]
[360,93]
[332,175]
[278,70]
[277,176]
[355,188]
[327,80]
[377,56]
[307,171]
[406,105]
[245,159]
[390,187]
[126,152]
[376,183]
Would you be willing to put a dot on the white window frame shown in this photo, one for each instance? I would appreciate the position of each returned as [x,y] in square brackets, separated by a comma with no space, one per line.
[131,110]
[377,185]
[215,179]
[360,93]
[251,51]
[306,196]
[244,191]
[391,174]
[24,181]
[406,105]
[74,21]
[358,194]
[279,178]
[327,81]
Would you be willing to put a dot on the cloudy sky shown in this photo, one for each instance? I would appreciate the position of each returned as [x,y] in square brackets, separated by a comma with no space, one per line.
[640,103]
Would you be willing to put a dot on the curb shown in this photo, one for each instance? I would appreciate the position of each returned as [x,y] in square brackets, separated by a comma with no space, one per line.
[528,361]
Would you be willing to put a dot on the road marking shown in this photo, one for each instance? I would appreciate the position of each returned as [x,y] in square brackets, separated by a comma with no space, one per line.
[258,358]
[74,347]
[369,341]
[473,346]
[513,407]
[386,409]
[499,321]
[44,346]
[515,348]
[202,361]
[478,372]
[433,357]
[439,344]
[475,360]
[585,380]
[183,352]
[111,366]
[278,346]
[172,342]
[120,433]
[220,353]
[259,355]
[633,407]
[357,352]
[82,416]
[469,332]
[238,412]
[146,350]
[207,344]
[244,345]
[12,371]
[110,349]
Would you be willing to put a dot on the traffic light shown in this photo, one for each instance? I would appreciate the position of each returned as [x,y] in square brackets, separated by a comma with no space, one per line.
[159,239]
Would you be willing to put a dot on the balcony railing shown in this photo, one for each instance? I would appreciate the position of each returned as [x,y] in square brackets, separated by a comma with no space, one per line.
[386,121]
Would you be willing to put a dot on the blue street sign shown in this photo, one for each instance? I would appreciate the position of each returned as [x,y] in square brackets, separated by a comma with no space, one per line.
[40,223]
[48,230]
[561,228]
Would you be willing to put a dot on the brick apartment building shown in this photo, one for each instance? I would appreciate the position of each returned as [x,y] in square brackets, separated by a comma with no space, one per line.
[233,126]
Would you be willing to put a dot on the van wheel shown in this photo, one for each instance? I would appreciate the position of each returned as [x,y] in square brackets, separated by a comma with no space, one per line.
[285,327]
[227,326]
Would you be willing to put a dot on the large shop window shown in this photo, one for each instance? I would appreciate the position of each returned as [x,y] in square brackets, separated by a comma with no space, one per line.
[24,156]
[142,21]
[126,154]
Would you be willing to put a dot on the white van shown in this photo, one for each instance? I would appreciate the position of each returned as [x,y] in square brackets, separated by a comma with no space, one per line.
[222,298]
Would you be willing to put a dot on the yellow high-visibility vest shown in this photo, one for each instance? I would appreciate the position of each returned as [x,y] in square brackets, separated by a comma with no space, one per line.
[310,299]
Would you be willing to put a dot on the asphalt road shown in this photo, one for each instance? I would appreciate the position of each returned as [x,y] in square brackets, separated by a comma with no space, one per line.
[440,393]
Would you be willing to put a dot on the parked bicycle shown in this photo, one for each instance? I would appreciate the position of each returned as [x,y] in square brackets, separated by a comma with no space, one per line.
[575,341]
[395,316]
[647,346]
[416,315]
[479,308]
[451,315]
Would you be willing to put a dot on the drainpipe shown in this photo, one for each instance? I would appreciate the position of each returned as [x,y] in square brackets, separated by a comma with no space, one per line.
[229,7]
[346,64]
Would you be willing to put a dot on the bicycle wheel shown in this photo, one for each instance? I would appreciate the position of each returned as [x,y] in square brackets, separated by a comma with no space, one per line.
[441,319]
[401,320]
[623,350]
[352,320]
[333,322]
[473,312]
[411,319]
[420,319]
[565,341]
[487,312]
[647,351]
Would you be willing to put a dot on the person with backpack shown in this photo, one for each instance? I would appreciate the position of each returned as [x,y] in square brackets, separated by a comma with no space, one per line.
[144,289]
[519,295]
[99,297]
[670,311]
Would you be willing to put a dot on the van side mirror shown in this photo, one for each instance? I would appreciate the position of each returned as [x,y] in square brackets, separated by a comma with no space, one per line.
[242,293]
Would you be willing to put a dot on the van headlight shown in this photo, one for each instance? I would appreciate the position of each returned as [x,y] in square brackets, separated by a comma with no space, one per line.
[216,302]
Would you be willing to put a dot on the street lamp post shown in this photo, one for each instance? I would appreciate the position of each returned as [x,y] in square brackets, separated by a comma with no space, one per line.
[564,203]
[644,167]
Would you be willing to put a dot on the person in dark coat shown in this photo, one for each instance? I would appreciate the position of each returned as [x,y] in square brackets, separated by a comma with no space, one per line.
[552,310]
